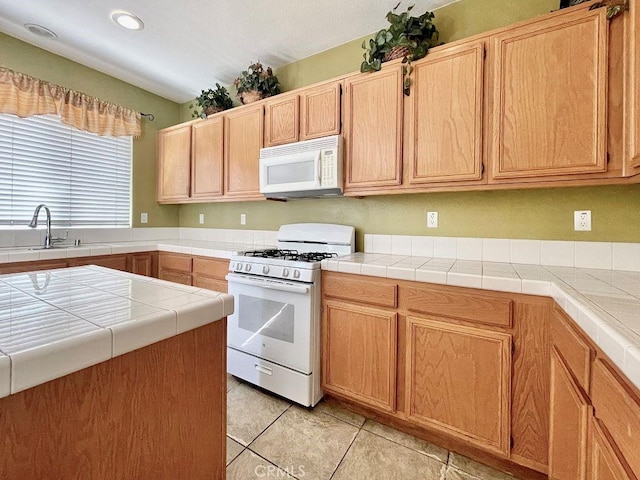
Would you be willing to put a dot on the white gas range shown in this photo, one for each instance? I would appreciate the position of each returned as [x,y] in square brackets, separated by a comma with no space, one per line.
[273,335]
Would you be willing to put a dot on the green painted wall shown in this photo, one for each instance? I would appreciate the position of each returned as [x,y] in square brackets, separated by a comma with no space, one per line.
[23,57]
[532,213]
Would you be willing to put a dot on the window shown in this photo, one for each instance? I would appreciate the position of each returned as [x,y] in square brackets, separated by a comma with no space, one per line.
[85,179]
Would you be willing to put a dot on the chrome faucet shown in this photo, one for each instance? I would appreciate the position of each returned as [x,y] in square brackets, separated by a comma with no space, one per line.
[48,240]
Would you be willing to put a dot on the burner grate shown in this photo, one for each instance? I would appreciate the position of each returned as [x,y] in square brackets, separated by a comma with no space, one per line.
[292,255]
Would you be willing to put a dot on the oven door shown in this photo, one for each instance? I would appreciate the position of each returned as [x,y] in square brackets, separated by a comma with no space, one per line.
[272,319]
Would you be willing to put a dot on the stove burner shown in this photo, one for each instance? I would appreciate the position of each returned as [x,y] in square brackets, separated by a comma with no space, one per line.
[292,255]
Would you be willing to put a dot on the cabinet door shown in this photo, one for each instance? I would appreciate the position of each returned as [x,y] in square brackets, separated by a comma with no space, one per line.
[569,417]
[632,99]
[458,380]
[174,164]
[373,129]
[143,264]
[243,138]
[605,462]
[549,97]
[320,111]
[281,120]
[359,354]
[445,116]
[207,143]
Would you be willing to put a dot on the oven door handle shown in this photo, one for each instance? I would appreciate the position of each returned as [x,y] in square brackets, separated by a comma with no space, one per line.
[283,287]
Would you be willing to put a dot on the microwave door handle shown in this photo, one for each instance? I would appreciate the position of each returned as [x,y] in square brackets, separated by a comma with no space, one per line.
[283,287]
[319,169]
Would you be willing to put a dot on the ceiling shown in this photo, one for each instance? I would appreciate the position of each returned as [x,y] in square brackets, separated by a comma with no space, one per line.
[187,46]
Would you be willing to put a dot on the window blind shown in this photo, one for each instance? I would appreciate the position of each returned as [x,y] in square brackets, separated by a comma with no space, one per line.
[85,179]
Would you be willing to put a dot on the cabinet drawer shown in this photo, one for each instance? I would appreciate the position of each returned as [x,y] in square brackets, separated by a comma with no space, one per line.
[210,284]
[211,267]
[371,292]
[473,307]
[181,263]
[619,409]
[176,277]
[573,348]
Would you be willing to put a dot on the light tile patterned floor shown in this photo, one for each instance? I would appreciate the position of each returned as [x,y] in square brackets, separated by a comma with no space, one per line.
[269,437]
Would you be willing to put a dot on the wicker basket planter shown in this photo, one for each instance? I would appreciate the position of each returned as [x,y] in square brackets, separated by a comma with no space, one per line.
[212,110]
[250,96]
[396,52]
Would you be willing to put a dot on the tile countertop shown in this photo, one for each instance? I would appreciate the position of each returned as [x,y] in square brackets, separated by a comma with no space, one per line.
[55,322]
[604,303]
[190,247]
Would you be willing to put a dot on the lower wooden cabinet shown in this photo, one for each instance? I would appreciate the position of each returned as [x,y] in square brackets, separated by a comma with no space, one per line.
[145,263]
[458,380]
[359,353]
[203,272]
[569,420]
[605,463]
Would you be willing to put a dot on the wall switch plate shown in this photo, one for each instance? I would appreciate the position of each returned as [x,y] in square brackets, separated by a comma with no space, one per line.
[144,217]
[432,219]
[243,219]
[201,218]
[582,220]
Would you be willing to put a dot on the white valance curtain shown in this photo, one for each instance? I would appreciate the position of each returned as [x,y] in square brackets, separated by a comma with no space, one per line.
[24,96]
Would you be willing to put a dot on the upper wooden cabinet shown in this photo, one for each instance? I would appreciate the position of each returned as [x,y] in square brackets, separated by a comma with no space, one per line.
[549,85]
[311,113]
[190,162]
[243,139]
[373,107]
[207,141]
[174,164]
[321,111]
[281,120]
[444,116]
[632,93]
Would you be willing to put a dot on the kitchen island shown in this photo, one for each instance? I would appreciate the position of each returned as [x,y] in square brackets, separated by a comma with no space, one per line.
[109,375]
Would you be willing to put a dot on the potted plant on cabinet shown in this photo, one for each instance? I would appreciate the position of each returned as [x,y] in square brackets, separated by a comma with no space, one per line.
[407,37]
[256,83]
[211,101]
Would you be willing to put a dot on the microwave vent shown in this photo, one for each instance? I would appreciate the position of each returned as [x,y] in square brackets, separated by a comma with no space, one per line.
[316,144]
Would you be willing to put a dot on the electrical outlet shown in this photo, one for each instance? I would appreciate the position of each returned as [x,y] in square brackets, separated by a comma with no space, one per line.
[201,218]
[243,219]
[144,217]
[582,221]
[432,219]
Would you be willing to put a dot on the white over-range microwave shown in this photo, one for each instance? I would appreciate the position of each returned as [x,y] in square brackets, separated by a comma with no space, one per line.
[312,168]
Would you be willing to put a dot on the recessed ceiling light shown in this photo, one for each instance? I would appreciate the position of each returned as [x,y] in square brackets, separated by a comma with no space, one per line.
[40,30]
[127,20]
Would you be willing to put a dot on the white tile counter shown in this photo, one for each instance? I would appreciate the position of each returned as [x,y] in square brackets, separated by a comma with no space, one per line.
[56,322]
[604,303]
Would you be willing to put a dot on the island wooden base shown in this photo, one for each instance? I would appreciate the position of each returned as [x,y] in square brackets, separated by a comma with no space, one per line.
[155,413]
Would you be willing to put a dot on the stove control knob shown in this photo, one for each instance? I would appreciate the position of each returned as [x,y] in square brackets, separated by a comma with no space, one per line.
[247,267]
[265,269]
[238,267]
[285,272]
[296,274]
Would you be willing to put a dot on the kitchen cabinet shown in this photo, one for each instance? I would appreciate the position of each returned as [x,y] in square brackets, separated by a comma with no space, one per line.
[458,379]
[281,120]
[444,120]
[605,462]
[471,367]
[570,416]
[145,263]
[243,139]
[311,112]
[174,164]
[116,262]
[373,128]
[360,353]
[210,273]
[19,267]
[549,97]
[321,110]
[203,272]
[632,95]
[190,161]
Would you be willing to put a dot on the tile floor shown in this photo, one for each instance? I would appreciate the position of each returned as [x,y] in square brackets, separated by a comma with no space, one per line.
[268,437]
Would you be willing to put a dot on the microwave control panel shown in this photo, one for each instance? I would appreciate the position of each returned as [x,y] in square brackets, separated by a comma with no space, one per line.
[329,168]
